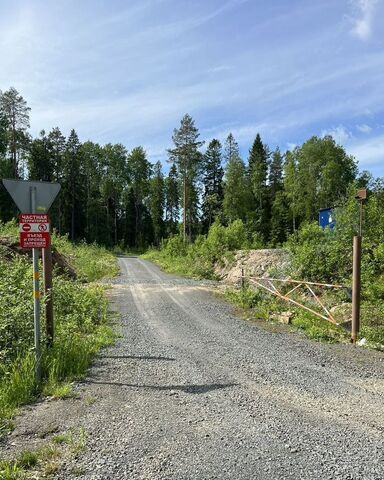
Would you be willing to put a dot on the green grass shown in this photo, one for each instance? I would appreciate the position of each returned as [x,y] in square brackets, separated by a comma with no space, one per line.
[75,439]
[59,390]
[81,326]
[176,265]
[43,462]
[261,306]
[91,262]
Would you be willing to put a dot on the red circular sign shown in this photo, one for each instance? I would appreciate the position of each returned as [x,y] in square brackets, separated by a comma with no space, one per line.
[26,227]
[42,227]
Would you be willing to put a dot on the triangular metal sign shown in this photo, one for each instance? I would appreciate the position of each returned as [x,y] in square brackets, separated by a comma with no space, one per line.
[20,191]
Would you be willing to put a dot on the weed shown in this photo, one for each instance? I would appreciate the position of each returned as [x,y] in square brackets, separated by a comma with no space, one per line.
[75,439]
[60,391]
[90,400]
[50,452]
[11,471]
[27,459]
[63,438]
[244,298]
[79,441]
[51,468]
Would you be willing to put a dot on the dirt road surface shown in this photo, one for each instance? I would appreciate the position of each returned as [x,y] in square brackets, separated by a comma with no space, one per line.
[192,392]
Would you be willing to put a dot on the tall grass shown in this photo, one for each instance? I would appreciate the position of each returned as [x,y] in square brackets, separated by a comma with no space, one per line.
[91,262]
[81,324]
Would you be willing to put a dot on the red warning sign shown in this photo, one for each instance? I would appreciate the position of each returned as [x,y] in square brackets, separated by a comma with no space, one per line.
[34,231]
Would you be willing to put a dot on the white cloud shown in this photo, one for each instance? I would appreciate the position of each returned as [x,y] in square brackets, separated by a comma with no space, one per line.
[362,24]
[364,128]
[369,153]
[340,134]
[291,146]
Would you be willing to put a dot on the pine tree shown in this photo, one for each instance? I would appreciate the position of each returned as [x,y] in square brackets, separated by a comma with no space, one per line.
[130,233]
[258,173]
[292,188]
[187,158]
[16,112]
[172,201]
[157,203]
[212,179]
[237,193]
[96,227]
[72,188]
[231,149]
[276,174]
[113,181]
[56,144]
[139,172]
[40,162]
[279,219]
[7,209]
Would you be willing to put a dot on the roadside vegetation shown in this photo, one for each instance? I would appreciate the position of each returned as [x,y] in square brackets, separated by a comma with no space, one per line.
[81,322]
[317,254]
[44,462]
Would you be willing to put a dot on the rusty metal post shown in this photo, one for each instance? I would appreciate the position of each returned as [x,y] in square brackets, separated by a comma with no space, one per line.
[47,266]
[356,287]
[36,297]
[242,278]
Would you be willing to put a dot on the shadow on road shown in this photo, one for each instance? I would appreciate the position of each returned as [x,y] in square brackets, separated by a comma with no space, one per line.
[194,389]
[139,357]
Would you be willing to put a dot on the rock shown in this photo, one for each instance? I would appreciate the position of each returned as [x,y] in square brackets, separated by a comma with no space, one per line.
[342,312]
[285,317]
[257,263]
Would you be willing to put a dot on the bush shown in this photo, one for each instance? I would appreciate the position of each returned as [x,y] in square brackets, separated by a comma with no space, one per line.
[319,255]
[198,259]
[80,323]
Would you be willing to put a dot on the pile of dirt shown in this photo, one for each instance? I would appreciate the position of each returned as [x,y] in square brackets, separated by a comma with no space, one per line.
[10,248]
[259,263]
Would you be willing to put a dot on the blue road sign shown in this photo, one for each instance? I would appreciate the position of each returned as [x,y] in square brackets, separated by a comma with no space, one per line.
[326,218]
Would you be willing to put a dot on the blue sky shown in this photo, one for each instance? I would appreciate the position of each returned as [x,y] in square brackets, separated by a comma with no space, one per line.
[127,71]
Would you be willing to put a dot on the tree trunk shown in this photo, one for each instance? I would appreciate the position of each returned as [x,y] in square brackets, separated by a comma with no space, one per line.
[185,206]
[73,215]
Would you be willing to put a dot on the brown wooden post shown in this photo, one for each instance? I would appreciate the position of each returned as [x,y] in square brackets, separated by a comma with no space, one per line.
[47,266]
[356,287]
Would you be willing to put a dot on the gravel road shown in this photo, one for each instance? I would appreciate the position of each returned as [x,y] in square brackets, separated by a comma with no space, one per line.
[192,392]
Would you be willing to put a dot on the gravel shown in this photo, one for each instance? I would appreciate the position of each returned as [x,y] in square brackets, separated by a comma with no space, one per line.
[192,392]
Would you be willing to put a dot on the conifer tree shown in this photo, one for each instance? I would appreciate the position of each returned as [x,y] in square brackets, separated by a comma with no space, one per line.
[72,186]
[56,143]
[231,148]
[157,203]
[15,109]
[40,162]
[113,181]
[291,188]
[172,201]
[212,179]
[6,208]
[276,174]
[279,219]
[237,193]
[187,158]
[258,174]
[139,172]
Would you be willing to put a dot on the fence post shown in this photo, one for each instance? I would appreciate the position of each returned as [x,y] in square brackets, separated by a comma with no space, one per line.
[356,287]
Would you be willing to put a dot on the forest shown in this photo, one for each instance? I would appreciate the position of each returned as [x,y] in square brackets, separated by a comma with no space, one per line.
[115,196]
